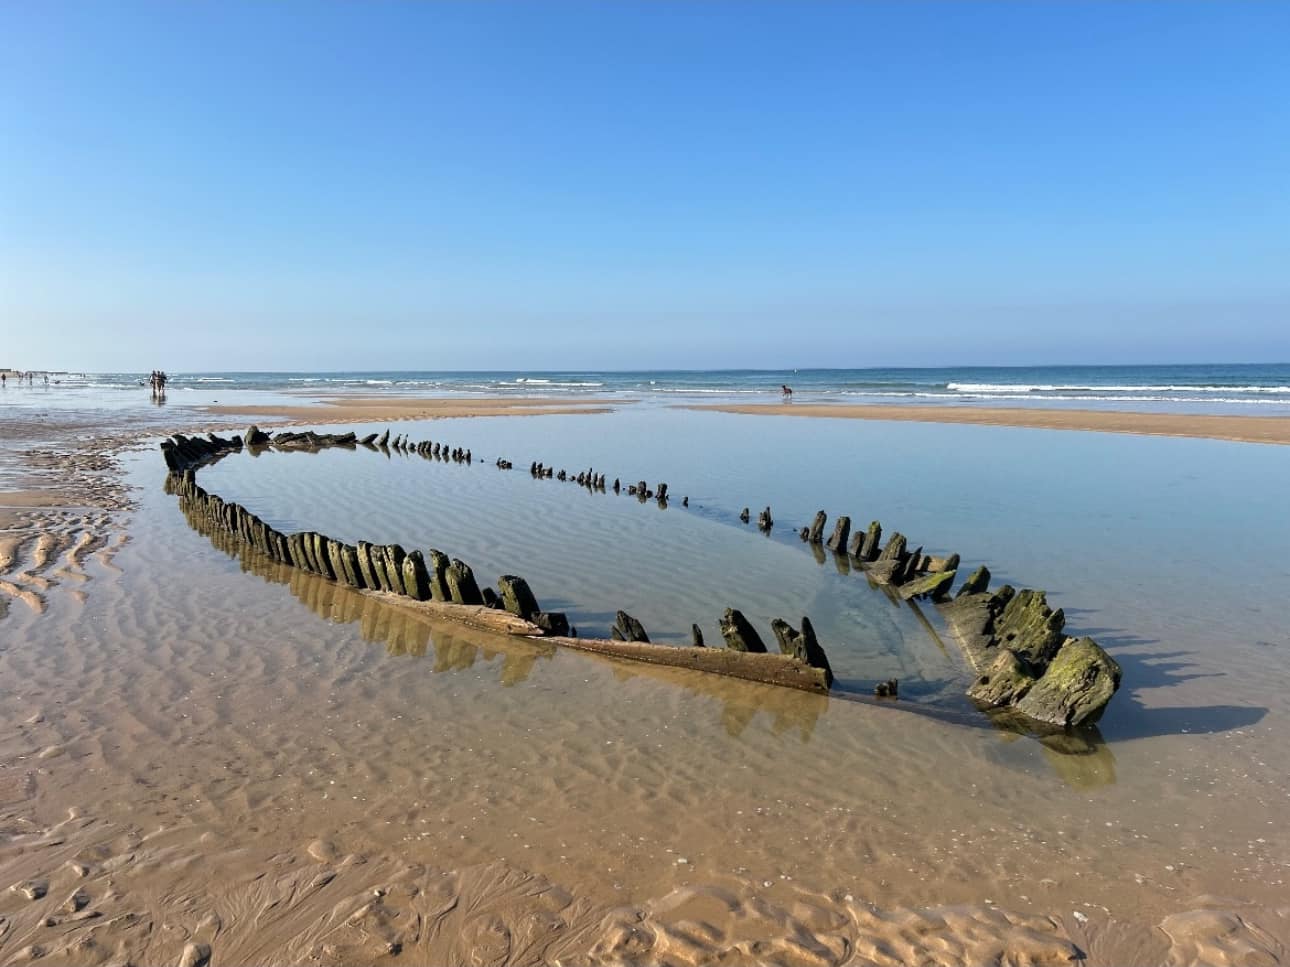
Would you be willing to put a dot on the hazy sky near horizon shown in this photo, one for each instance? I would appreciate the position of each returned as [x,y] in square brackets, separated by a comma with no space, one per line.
[627,185]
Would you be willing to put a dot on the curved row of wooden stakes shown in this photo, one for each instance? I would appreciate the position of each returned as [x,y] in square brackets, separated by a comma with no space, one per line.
[1026,665]
[447,587]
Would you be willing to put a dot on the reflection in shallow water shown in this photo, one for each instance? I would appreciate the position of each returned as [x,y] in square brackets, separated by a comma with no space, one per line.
[1079,757]
[616,556]
[405,632]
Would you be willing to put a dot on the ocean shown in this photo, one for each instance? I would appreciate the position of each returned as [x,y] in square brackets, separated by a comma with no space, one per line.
[1217,388]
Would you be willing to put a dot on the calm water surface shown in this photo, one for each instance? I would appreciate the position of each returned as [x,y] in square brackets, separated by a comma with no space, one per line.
[1157,547]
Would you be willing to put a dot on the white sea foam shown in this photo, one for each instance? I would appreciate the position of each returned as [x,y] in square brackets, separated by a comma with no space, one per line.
[1241,400]
[1066,397]
[576,384]
[1072,388]
[720,392]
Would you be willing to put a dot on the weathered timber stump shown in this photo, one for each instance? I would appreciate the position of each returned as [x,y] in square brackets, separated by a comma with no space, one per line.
[802,645]
[816,533]
[437,571]
[739,634]
[416,579]
[841,531]
[517,598]
[553,623]
[627,628]
[977,582]
[871,547]
[461,584]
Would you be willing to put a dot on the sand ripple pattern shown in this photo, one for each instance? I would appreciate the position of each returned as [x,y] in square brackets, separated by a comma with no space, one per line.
[63,502]
[85,891]
[64,526]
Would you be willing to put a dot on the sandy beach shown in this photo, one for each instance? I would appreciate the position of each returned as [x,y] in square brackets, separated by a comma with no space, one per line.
[265,766]
[1245,429]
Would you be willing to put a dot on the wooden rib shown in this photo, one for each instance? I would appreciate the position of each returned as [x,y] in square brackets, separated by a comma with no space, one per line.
[769,669]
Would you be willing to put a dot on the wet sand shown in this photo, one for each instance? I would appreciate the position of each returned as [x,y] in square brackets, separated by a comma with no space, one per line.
[211,755]
[434,799]
[351,409]
[1244,429]
[63,502]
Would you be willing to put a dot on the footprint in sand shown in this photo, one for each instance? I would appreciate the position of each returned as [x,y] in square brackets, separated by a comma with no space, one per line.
[322,851]
[1218,937]
[31,889]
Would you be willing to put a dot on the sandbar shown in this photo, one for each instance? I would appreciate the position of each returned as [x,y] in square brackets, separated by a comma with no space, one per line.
[1245,429]
[352,409]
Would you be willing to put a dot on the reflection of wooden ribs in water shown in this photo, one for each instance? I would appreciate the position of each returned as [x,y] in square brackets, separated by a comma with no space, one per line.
[1080,758]
[244,531]
[405,630]
[382,617]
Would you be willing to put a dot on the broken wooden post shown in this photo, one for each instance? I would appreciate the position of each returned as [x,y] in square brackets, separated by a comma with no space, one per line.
[627,628]
[841,531]
[739,634]
[802,645]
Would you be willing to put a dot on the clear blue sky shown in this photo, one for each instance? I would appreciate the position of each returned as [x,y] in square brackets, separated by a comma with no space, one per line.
[530,185]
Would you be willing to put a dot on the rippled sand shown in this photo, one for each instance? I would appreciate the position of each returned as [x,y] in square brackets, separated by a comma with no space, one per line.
[212,754]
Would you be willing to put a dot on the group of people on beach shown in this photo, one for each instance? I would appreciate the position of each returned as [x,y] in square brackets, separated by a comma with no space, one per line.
[158,382]
[20,376]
